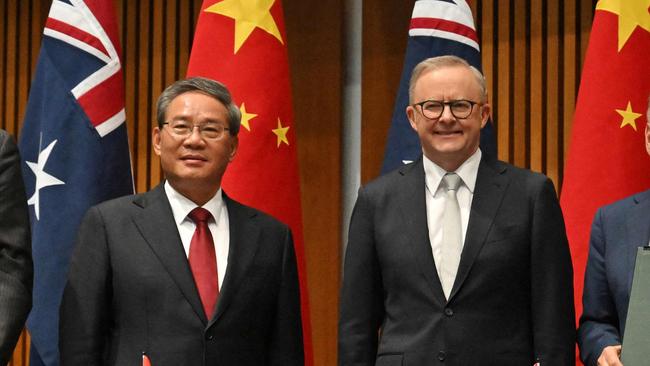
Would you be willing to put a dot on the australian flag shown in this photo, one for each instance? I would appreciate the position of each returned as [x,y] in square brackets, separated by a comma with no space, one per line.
[438,27]
[74,148]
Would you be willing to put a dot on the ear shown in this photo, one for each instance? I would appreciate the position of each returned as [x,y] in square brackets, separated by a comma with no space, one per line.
[234,144]
[647,137]
[410,114]
[485,114]
[155,139]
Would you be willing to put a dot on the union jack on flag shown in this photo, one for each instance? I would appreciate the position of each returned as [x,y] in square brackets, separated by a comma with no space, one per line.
[74,147]
[438,27]
[100,94]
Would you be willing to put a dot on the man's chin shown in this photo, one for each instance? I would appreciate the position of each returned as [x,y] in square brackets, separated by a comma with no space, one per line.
[194,178]
[448,148]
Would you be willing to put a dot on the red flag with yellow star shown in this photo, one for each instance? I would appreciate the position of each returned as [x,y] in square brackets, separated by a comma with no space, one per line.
[607,159]
[242,44]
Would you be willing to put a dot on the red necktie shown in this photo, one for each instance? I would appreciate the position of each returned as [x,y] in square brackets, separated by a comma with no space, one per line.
[203,260]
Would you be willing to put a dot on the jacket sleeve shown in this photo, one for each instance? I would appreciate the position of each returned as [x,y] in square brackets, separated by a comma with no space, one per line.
[16,269]
[84,312]
[287,342]
[553,313]
[362,307]
[599,321]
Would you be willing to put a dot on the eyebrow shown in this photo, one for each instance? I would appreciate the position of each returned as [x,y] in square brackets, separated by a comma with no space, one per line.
[203,121]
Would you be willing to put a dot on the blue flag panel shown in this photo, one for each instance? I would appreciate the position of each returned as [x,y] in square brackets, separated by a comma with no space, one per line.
[75,154]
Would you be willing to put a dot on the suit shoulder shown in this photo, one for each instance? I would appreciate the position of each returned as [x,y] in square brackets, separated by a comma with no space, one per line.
[521,173]
[236,209]
[524,178]
[620,207]
[4,137]
[118,204]
[392,181]
[7,146]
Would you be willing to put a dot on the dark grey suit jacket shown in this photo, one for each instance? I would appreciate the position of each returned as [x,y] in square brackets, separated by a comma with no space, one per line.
[616,233]
[16,269]
[511,303]
[130,290]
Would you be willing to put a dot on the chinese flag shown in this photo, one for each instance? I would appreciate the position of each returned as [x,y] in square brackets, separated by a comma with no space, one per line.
[243,44]
[607,159]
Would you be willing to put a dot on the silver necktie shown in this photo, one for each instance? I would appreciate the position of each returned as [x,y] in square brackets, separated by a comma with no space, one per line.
[452,244]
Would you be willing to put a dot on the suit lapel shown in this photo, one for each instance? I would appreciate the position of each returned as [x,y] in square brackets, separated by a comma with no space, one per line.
[244,241]
[637,230]
[156,224]
[491,183]
[412,202]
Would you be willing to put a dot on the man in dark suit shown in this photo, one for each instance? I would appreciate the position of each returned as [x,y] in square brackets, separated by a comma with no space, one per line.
[16,269]
[143,283]
[456,259]
[616,233]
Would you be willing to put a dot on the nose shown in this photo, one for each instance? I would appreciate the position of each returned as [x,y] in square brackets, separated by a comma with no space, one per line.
[194,138]
[446,115]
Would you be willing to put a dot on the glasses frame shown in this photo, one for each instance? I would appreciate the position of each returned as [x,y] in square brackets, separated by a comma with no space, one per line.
[174,133]
[445,104]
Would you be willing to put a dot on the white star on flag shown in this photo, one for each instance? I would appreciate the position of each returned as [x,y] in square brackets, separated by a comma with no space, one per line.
[43,179]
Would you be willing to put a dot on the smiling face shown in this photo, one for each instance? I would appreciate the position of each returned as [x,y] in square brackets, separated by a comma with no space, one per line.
[448,141]
[194,165]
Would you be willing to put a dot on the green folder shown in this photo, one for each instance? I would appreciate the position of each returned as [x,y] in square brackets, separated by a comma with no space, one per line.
[636,340]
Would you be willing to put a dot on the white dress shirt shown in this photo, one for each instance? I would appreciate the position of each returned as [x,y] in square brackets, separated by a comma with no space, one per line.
[218,225]
[435,199]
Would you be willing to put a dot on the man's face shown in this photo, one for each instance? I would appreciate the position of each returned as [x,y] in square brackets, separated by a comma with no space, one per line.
[194,161]
[448,141]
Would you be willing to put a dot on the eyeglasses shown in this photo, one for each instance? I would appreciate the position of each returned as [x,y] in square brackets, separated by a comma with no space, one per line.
[183,129]
[433,109]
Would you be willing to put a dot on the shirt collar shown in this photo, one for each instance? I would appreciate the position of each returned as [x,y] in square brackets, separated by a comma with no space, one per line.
[181,205]
[467,172]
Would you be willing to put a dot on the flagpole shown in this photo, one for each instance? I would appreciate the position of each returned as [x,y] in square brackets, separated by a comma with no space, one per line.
[351,110]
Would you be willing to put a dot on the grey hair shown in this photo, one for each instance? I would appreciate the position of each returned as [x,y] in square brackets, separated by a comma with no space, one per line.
[439,62]
[205,86]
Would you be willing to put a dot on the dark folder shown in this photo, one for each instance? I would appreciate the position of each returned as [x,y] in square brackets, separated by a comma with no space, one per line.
[636,340]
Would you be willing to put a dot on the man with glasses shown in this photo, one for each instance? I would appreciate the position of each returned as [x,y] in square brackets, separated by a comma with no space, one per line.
[456,259]
[617,231]
[183,274]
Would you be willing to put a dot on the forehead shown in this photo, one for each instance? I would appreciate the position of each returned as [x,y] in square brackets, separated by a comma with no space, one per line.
[448,82]
[195,103]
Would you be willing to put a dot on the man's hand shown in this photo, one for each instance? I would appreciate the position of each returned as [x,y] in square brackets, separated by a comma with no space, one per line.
[610,356]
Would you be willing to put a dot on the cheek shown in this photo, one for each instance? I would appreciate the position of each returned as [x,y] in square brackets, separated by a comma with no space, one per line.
[422,128]
[167,153]
[165,160]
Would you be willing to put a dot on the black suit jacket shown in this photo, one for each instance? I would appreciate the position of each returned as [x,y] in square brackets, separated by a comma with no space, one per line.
[130,290]
[16,270]
[511,303]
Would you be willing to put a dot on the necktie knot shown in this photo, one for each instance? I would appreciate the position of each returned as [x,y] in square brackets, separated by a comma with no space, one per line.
[451,181]
[199,215]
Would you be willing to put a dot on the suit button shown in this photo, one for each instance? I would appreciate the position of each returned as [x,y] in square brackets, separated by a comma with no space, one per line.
[209,337]
[449,312]
[441,356]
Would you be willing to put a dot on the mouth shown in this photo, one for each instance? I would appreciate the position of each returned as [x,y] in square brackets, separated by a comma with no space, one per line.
[448,133]
[193,159]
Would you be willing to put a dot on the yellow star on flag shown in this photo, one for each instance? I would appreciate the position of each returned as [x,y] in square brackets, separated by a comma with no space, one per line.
[631,14]
[628,116]
[245,117]
[248,15]
[281,133]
